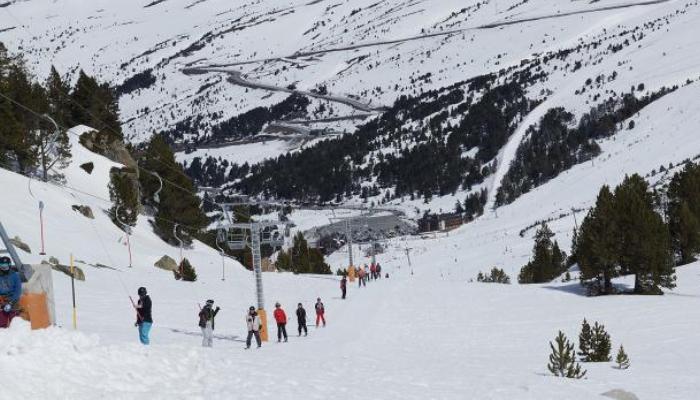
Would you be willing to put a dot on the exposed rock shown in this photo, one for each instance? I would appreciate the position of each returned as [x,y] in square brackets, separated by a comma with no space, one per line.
[166,263]
[102,144]
[85,210]
[619,394]
[88,167]
[77,271]
[18,243]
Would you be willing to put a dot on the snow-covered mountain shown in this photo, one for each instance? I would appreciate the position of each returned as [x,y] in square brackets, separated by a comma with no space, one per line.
[357,56]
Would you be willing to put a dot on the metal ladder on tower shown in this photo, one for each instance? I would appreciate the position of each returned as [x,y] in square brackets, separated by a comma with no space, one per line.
[257,262]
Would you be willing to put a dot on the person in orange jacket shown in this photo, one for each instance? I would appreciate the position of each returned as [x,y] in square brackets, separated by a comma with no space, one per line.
[281,319]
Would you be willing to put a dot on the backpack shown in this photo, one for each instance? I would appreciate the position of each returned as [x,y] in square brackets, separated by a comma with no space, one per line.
[202,319]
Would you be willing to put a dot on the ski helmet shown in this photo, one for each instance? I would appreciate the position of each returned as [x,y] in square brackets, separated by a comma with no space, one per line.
[251,308]
[277,304]
[142,291]
[210,302]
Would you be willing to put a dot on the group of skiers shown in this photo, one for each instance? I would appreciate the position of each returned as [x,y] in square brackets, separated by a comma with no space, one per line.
[254,322]
[207,317]
[207,314]
[11,290]
[368,273]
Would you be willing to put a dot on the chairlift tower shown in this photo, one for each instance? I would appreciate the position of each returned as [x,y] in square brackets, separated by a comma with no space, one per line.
[350,222]
[254,234]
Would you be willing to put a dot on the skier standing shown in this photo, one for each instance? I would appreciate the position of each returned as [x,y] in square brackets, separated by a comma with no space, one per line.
[320,312]
[301,319]
[344,286]
[281,319]
[373,271]
[367,275]
[206,322]
[254,324]
[144,319]
[379,271]
[10,292]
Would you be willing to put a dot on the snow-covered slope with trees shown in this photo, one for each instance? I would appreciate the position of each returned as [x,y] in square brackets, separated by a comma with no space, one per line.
[424,332]
[531,105]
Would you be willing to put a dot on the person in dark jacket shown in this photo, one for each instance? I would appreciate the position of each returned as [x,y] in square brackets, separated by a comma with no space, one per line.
[281,320]
[10,292]
[206,322]
[144,318]
[301,319]
[254,325]
[379,271]
[344,286]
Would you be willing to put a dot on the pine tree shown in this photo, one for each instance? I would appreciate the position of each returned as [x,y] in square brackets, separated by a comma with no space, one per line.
[562,360]
[584,341]
[597,243]
[302,259]
[176,202]
[684,212]
[547,262]
[622,359]
[58,96]
[21,138]
[645,246]
[185,271]
[123,191]
[600,344]
[686,231]
[96,105]
[52,141]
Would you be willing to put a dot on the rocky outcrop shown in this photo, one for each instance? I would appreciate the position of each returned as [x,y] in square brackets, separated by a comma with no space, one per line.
[104,145]
[85,210]
[166,263]
[77,272]
[88,167]
[18,243]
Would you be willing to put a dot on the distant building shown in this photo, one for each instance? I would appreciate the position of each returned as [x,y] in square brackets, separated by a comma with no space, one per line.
[439,222]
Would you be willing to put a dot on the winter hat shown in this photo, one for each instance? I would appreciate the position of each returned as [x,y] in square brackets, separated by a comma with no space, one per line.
[251,308]
[142,291]
[277,305]
[210,302]
[300,305]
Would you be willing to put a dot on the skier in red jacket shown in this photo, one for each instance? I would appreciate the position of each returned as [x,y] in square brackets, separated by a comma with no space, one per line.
[281,319]
[320,312]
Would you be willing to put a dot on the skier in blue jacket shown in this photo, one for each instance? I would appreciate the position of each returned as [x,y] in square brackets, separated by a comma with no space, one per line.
[10,292]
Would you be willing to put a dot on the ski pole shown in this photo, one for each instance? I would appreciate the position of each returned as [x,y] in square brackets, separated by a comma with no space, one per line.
[72,284]
[138,313]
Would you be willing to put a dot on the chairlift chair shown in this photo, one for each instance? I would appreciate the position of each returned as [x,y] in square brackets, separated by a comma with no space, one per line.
[236,238]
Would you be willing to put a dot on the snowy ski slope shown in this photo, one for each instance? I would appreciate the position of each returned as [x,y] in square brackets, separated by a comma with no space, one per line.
[423,333]
[426,333]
